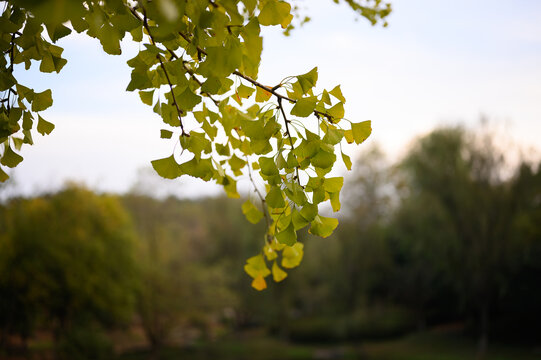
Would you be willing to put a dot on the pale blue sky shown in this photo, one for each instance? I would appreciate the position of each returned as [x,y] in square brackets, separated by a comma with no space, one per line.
[438,62]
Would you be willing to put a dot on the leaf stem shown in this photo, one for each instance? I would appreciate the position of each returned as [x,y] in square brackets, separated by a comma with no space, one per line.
[289,136]
[263,202]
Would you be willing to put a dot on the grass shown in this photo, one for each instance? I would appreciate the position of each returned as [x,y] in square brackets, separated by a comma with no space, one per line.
[436,346]
[421,346]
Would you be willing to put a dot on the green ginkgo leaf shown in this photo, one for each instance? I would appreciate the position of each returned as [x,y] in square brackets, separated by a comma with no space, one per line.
[337,93]
[42,100]
[323,226]
[167,167]
[275,198]
[308,81]
[292,255]
[304,107]
[277,273]
[333,184]
[288,236]
[361,131]
[256,266]
[251,212]
[166,134]
[44,127]
[274,13]
[268,167]
[347,161]
[3,175]
[337,111]
[10,158]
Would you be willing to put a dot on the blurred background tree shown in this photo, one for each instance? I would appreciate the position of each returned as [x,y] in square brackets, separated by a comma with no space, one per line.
[446,238]
[67,262]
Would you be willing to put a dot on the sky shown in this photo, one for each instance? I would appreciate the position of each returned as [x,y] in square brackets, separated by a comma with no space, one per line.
[438,62]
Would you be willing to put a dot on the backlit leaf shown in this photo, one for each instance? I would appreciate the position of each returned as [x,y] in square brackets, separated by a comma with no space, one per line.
[259,283]
[292,255]
[361,131]
[337,93]
[10,158]
[44,127]
[277,273]
[251,212]
[308,81]
[167,168]
[275,13]
[256,266]
[304,107]
[287,236]
[3,175]
[274,198]
[323,226]
[42,100]
[165,134]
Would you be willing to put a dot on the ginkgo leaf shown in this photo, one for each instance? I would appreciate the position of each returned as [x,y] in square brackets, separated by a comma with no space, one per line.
[146,97]
[361,131]
[337,111]
[10,158]
[3,175]
[269,252]
[323,226]
[259,283]
[251,212]
[309,211]
[335,201]
[42,100]
[167,167]
[256,266]
[275,198]
[44,127]
[304,107]
[166,134]
[347,161]
[245,91]
[308,81]
[277,273]
[333,184]
[262,95]
[337,93]
[292,255]
[274,13]
[268,167]
[287,236]
[333,136]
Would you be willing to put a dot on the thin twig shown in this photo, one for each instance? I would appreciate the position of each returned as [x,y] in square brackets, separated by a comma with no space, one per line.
[289,136]
[162,65]
[269,89]
[263,202]
[175,56]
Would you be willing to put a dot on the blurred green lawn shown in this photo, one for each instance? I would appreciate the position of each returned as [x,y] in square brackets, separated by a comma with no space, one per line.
[421,346]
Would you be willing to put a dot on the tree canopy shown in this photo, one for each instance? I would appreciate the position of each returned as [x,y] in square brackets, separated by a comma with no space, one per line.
[198,70]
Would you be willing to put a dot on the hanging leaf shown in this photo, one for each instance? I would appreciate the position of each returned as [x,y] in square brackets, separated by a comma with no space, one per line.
[251,212]
[361,131]
[167,168]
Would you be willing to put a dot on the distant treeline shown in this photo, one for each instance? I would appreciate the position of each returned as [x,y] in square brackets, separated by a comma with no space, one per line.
[451,234]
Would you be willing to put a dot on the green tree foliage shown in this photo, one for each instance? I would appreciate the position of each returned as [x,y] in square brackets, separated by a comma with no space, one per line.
[473,212]
[178,286]
[65,260]
[198,69]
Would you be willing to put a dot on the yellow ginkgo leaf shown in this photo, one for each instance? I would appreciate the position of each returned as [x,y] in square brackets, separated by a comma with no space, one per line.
[259,283]
[277,273]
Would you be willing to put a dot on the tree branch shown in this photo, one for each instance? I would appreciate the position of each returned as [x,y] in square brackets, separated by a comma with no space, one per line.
[263,202]
[289,136]
[162,65]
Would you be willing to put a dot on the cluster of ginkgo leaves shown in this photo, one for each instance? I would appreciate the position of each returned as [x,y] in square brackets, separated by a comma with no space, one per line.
[198,68]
